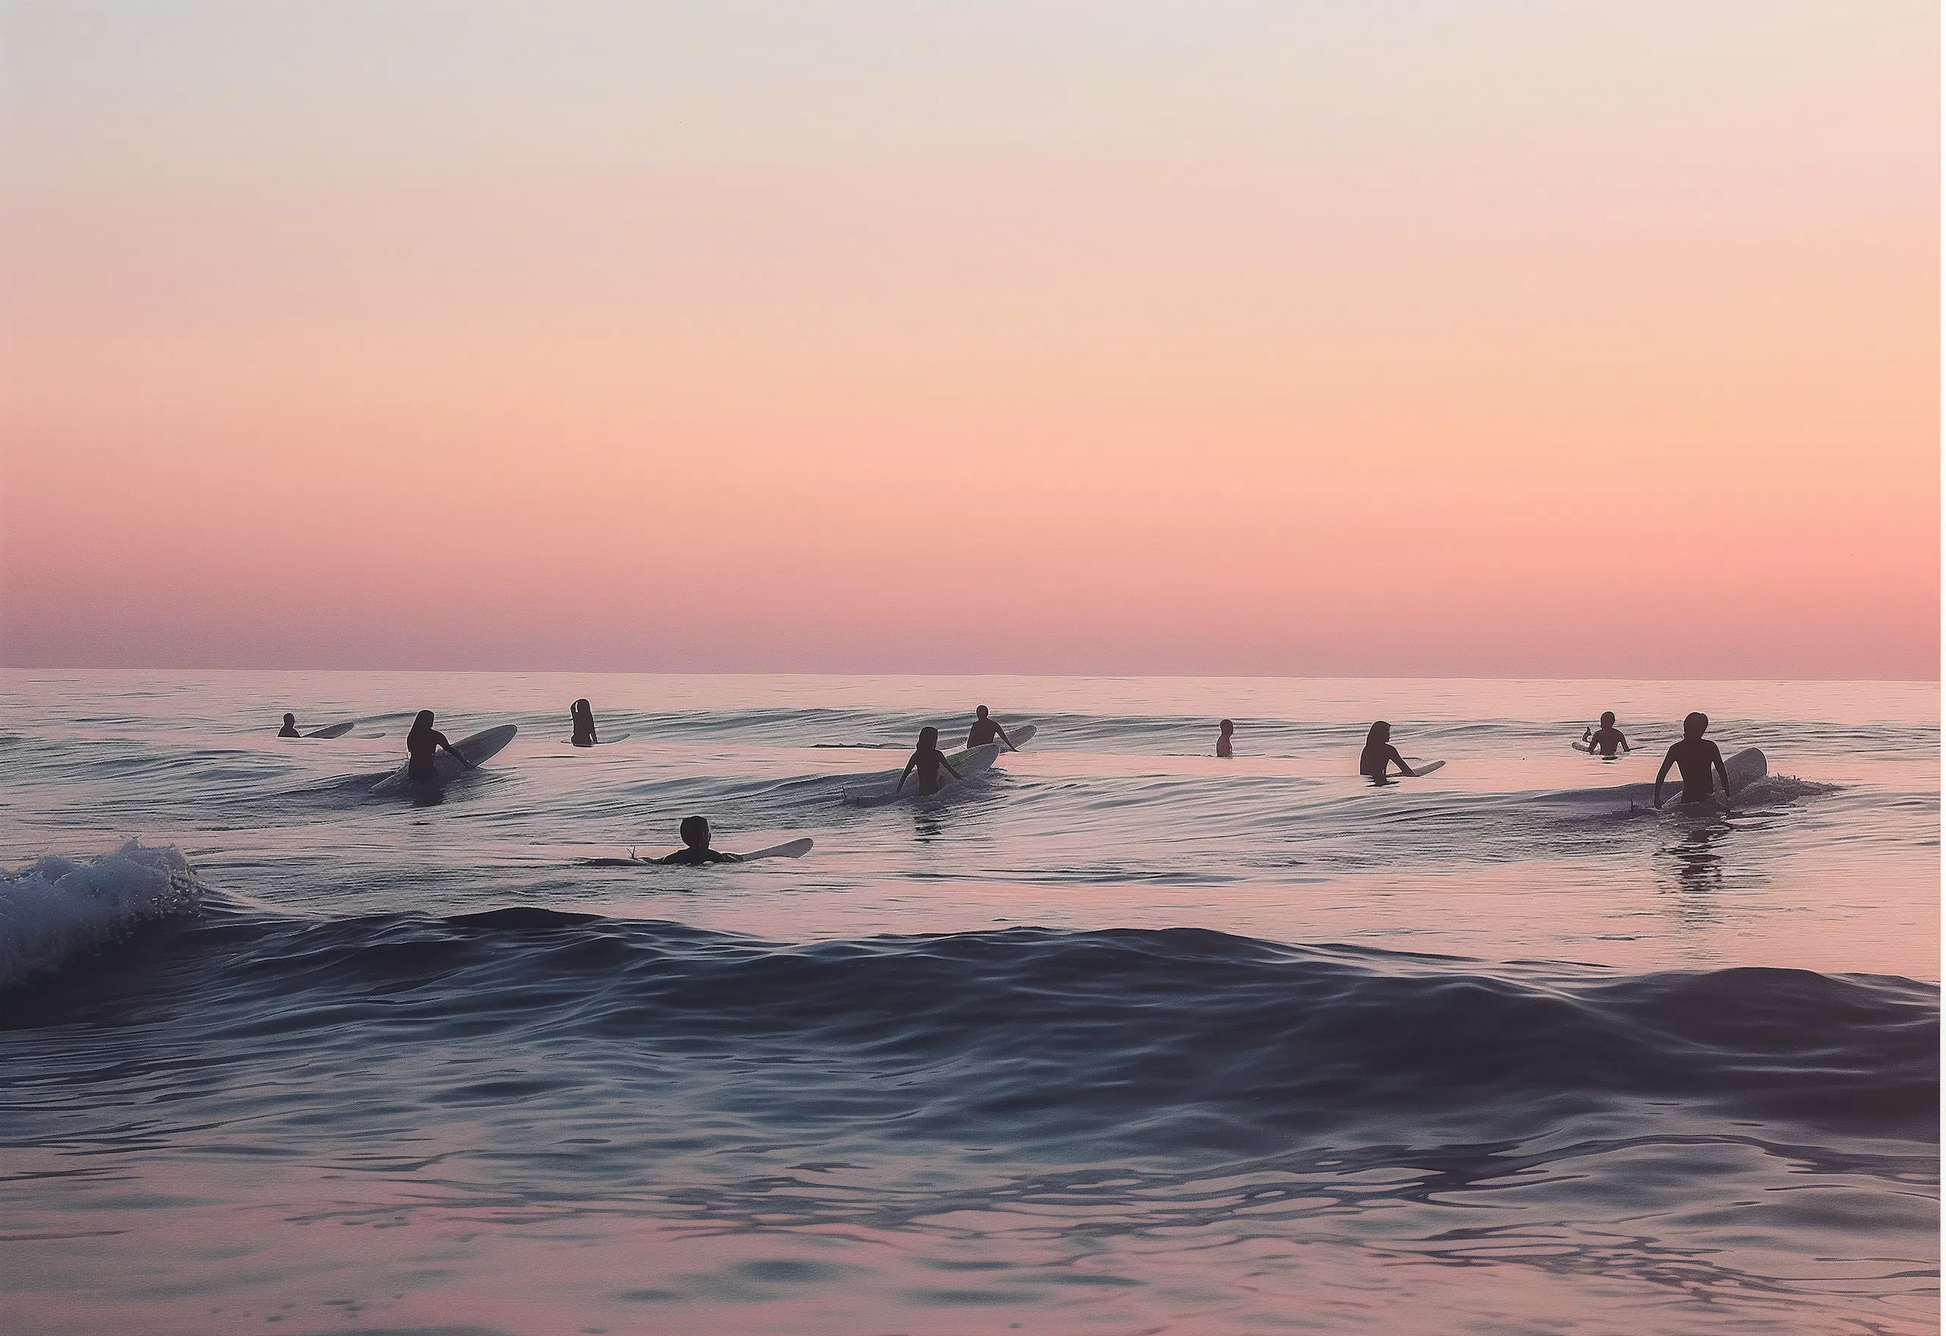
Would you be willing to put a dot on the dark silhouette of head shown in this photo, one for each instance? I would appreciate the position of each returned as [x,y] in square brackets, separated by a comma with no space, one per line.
[290,721]
[1226,728]
[695,832]
[1607,718]
[1380,735]
[422,723]
[928,737]
[1695,724]
[980,713]
[581,710]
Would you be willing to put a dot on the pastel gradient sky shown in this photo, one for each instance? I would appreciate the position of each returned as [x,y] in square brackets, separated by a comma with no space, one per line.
[1404,338]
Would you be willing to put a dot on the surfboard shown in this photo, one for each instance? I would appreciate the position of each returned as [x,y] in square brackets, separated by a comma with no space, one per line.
[1421,768]
[333,731]
[1744,769]
[968,763]
[602,743]
[788,849]
[1583,746]
[479,748]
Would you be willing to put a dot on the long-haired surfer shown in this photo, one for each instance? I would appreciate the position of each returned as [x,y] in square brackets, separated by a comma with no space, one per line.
[422,744]
[1696,756]
[582,716]
[1224,732]
[289,730]
[1379,753]
[695,839]
[929,760]
[985,730]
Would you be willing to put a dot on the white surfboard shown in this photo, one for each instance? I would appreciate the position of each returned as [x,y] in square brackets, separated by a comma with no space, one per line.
[603,742]
[788,849]
[1583,745]
[478,749]
[332,731]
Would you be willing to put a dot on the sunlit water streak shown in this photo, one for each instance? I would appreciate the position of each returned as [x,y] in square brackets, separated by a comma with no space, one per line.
[1124,1038]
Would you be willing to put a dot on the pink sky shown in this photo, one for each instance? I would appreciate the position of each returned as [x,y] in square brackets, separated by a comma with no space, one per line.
[1495,339]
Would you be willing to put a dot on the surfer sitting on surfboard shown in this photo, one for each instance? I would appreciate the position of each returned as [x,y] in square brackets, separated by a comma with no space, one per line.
[582,715]
[423,744]
[929,759]
[1223,732]
[695,838]
[1608,737]
[1379,752]
[289,730]
[985,730]
[1696,756]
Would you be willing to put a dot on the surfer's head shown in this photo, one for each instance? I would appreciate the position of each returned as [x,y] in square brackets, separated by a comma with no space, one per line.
[980,713]
[1695,724]
[1380,735]
[1607,718]
[1226,728]
[422,721]
[928,737]
[695,832]
[581,709]
[290,721]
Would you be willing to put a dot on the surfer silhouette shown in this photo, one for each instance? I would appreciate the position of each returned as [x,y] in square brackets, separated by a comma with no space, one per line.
[929,759]
[1696,757]
[289,730]
[695,838]
[422,744]
[985,730]
[1223,732]
[582,715]
[1608,737]
[1379,752]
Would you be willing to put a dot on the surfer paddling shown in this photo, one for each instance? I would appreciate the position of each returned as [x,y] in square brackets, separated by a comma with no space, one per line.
[1606,739]
[985,730]
[1379,753]
[929,760]
[1224,731]
[422,744]
[696,851]
[582,716]
[289,730]
[1696,757]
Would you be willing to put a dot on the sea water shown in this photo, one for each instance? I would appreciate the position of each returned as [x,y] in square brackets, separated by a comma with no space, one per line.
[1120,1037]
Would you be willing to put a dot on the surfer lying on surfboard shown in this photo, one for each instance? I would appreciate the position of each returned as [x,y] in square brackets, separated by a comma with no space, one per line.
[1697,757]
[695,850]
[422,744]
[929,759]
[1379,752]
[985,730]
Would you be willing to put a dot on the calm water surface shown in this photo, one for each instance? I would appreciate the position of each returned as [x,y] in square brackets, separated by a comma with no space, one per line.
[1123,1038]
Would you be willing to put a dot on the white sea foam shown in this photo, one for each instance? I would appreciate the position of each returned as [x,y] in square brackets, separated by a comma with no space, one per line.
[59,908]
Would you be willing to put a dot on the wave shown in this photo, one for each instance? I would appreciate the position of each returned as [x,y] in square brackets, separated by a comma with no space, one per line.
[58,909]
[1163,1038]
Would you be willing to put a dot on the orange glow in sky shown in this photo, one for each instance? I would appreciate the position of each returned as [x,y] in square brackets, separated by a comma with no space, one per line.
[1500,338]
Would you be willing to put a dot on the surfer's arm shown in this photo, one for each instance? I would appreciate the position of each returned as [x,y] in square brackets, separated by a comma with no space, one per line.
[1716,764]
[718,856]
[949,767]
[1655,798]
[906,773]
[455,755]
[1004,738]
[1624,738]
[1399,760]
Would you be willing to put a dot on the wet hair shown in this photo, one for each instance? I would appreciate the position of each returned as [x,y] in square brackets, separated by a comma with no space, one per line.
[1227,726]
[1381,733]
[580,709]
[1607,718]
[695,832]
[1695,724]
[422,721]
[982,712]
[928,736]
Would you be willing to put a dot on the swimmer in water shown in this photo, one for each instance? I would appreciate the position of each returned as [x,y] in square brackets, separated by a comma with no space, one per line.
[696,850]
[985,730]
[1607,738]
[1379,752]
[1223,732]
[1697,757]
[289,730]
[582,716]
[422,744]
[930,761]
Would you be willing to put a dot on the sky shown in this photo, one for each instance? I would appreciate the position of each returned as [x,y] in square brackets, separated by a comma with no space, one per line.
[1409,339]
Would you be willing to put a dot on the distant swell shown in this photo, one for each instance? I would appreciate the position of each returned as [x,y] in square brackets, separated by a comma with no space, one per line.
[57,908]
[1160,1038]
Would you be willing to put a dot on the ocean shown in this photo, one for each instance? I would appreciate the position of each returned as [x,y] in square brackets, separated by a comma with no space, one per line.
[1118,1037]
